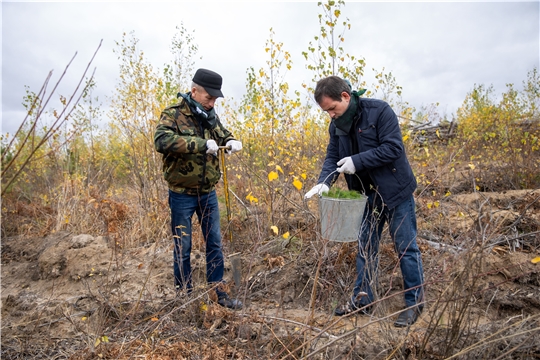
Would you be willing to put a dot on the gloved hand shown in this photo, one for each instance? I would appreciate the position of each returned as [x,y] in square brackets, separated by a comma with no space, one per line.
[346,166]
[211,147]
[317,189]
[235,146]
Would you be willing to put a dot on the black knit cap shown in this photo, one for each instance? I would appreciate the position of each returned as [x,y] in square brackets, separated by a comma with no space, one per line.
[210,81]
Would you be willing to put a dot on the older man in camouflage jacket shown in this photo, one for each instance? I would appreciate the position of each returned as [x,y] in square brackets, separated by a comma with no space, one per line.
[188,135]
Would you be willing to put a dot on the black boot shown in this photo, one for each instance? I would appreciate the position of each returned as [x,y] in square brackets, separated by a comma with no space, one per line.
[408,316]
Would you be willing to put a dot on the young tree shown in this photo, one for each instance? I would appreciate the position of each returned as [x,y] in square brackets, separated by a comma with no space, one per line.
[326,55]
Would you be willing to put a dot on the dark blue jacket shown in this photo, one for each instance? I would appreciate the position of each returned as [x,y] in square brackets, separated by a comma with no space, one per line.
[381,155]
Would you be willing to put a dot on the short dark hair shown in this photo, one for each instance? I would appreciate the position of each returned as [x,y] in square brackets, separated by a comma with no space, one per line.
[331,87]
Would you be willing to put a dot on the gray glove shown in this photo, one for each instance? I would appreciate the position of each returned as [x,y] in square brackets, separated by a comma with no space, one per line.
[346,166]
[211,147]
[317,189]
[234,145]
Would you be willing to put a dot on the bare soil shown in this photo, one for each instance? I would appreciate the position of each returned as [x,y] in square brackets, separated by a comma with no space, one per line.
[79,296]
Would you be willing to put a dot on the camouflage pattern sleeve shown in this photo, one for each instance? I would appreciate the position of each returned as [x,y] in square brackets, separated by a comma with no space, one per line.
[177,136]
[222,135]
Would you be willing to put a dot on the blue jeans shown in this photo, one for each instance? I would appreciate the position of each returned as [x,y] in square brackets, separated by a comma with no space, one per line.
[402,226]
[183,207]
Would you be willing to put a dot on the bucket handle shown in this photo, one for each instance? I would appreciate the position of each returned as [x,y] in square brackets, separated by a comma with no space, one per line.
[324,181]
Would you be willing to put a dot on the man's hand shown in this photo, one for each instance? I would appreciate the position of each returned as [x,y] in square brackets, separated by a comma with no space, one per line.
[234,145]
[211,147]
[317,189]
[346,166]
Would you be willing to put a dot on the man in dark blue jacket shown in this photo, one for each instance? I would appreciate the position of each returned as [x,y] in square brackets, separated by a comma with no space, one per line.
[367,146]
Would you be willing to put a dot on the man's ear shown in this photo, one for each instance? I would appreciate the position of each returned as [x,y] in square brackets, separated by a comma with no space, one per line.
[345,96]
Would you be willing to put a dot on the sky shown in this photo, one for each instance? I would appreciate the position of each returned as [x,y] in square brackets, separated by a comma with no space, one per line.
[437,51]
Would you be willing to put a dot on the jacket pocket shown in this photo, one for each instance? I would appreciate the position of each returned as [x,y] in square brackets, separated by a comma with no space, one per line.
[368,137]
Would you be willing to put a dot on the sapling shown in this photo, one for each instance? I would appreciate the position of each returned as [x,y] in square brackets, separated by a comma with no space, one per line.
[338,193]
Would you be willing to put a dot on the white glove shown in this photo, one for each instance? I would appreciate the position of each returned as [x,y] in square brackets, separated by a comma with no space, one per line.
[211,147]
[317,189]
[234,145]
[347,166]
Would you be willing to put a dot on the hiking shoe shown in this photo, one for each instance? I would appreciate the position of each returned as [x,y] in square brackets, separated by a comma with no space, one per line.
[225,301]
[351,306]
[408,317]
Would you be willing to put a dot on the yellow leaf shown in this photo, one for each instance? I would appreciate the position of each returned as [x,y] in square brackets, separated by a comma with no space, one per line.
[274,229]
[105,339]
[448,193]
[204,307]
[154,319]
[304,176]
[278,168]
[471,166]
[98,341]
[297,184]
[536,260]
[286,235]
[84,318]
[272,175]
[251,198]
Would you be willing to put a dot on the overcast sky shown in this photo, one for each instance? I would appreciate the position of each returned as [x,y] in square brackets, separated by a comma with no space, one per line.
[437,51]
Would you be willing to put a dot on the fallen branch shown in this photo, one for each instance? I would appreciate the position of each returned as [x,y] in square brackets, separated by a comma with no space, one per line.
[321,331]
[438,245]
[503,240]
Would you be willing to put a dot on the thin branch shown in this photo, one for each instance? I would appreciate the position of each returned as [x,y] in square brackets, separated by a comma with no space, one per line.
[63,117]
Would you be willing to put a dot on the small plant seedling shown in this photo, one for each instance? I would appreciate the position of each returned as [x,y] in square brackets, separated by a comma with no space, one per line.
[338,193]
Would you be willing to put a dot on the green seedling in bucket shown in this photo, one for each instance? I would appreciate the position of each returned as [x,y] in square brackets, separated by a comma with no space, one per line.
[337,193]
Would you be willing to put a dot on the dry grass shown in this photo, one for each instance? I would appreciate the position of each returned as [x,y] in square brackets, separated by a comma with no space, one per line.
[292,286]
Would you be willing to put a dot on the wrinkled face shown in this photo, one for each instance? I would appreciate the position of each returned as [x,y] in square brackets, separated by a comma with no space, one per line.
[202,97]
[335,108]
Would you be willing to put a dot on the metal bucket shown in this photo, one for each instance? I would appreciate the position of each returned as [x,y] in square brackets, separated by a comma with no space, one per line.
[341,219]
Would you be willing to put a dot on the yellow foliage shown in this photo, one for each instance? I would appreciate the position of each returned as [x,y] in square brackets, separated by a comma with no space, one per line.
[297,184]
[252,199]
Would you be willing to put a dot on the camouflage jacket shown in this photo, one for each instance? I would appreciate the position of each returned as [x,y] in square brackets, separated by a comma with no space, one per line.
[182,141]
